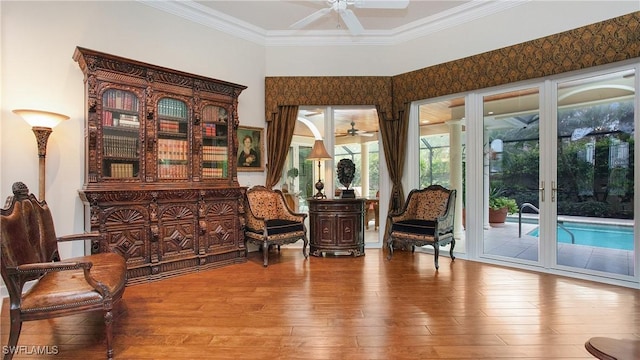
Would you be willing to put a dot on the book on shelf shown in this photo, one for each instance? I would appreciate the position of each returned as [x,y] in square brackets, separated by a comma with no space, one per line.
[171,126]
[210,113]
[120,99]
[120,146]
[173,149]
[214,153]
[107,118]
[128,123]
[172,107]
[119,170]
[209,129]
[216,172]
[173,171]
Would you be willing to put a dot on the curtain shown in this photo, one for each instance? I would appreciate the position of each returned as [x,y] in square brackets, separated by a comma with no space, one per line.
[279,135]
[394,138]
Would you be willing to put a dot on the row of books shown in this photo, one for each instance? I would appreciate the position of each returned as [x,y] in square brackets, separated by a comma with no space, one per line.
[120,120]
[214,153]
[173,149]
[214,113]
[121,170]
[171,126]
[216,172]
[120,146]
[209,129]
[173,171]
[172,107]
[120,99]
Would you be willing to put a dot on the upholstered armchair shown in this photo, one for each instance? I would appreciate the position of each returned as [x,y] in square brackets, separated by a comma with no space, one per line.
[426,219]
[63,287]
[269,221]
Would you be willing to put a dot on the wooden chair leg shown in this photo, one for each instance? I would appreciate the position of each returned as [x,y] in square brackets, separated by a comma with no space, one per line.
[305,252]
[436,253]
[108,323]
[14,334]
[453,244]
[265,254]
[390,245]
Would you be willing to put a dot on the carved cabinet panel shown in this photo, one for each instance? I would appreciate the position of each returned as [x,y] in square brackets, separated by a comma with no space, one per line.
[161,179]
[336,226]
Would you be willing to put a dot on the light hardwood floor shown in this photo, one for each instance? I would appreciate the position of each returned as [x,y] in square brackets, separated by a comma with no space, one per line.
[349,308]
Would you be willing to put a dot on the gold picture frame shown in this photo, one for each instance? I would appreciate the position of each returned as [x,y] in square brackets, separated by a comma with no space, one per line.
[253,158]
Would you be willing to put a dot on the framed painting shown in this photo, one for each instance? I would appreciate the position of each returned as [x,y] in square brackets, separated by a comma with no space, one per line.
[250,154]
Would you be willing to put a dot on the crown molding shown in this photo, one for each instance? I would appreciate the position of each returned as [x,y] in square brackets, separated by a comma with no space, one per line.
[208,17]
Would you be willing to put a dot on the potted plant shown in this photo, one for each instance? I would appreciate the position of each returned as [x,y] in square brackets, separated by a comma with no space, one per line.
[500,206]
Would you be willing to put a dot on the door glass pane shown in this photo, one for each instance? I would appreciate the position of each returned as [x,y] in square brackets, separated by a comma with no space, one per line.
[215,145]
[121,128]
[173,144]
[441,147]
[595,173]
[356,139]
[511,174]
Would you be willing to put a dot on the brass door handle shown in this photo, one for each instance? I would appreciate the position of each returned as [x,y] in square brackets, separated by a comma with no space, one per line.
[541,189]
[554,189]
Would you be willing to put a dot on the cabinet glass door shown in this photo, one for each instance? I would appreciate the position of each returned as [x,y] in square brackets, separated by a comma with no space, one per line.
[121,129]
[215,145]
[173,143]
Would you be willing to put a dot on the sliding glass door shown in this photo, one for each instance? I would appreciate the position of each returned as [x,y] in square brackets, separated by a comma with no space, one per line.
[511,174]
[594,190]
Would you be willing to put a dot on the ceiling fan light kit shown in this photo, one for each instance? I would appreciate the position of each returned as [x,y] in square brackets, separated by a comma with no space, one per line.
[347,15]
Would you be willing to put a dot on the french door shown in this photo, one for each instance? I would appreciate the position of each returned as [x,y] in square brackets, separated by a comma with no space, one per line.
[592,194]
[564,151]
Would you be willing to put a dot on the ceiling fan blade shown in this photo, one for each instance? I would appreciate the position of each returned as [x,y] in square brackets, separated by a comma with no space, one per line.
[351,21]
[381,4]
[309,19]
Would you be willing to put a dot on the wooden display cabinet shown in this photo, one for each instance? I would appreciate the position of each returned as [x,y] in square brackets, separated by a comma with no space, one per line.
[161,180]
[336,226]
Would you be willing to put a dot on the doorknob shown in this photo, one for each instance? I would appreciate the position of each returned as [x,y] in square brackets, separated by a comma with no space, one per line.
[553,191]
[541,189]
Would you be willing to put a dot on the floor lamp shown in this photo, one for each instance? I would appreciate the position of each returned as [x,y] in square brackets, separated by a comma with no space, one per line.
[319,153]
[42,123]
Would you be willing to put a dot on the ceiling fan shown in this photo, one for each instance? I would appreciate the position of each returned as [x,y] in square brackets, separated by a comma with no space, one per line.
[347,15]
[353,131]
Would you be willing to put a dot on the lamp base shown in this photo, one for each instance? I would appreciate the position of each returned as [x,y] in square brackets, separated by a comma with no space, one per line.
[319,194]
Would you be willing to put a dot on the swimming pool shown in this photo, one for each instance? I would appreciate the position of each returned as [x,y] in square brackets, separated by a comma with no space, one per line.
[606,236]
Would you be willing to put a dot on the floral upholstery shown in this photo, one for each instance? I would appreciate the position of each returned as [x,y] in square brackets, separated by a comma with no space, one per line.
[269,221]
[426,219]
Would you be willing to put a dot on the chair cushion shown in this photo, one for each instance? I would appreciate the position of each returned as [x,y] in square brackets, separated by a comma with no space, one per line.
[69,289]
[281,226]
[415,226]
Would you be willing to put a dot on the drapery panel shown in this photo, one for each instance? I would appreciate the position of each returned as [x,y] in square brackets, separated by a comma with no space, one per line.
[394,133]
[279,135]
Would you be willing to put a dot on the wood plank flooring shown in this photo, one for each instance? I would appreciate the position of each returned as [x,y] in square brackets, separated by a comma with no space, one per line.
[348,308]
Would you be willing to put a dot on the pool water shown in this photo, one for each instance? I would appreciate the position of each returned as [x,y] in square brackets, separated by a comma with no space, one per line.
[606,236]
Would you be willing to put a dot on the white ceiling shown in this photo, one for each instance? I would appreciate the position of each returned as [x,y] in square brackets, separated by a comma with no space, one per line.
[268,22]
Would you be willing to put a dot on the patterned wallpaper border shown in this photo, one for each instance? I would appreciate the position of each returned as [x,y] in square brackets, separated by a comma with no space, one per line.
[601,43]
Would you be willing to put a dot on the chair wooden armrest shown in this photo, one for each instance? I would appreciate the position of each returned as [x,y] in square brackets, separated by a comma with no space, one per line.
[83,236]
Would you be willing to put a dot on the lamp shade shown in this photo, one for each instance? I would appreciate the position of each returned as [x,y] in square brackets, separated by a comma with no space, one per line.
[38,118]
[318,152]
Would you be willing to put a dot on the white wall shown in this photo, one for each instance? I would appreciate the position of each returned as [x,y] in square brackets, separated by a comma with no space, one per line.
[38,72]
[38,40]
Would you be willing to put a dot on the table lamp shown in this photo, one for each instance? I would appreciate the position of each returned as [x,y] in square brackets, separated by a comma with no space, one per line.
[319,153]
